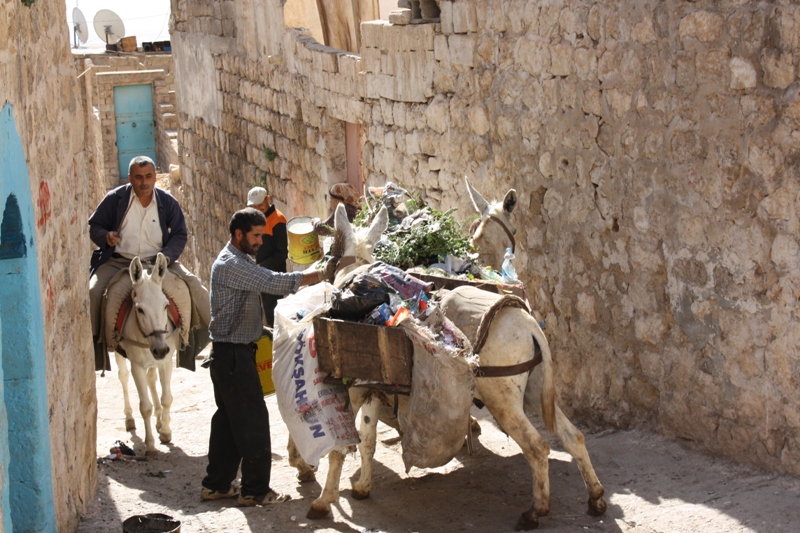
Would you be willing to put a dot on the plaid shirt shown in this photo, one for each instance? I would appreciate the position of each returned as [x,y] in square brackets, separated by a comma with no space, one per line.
[236,286]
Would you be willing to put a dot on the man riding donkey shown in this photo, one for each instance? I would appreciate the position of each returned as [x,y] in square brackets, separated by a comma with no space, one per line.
[137,219]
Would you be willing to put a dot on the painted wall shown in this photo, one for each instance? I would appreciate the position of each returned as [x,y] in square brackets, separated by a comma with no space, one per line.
[41,91]
[653,146]
[30,484]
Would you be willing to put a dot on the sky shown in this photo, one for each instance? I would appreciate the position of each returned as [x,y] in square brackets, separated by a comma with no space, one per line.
[148,20]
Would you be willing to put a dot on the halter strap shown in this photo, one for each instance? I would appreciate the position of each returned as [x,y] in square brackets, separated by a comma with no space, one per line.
[502,224]
[125,308]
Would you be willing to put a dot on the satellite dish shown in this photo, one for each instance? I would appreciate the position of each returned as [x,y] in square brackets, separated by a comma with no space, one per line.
[80,30]
[109,26]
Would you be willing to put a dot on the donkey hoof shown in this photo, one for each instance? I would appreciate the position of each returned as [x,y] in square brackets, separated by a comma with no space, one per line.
[360,494]
[130,424]
[151,454]
[165,438]
[528,521]
[305,477]
[597,507]
[315,514]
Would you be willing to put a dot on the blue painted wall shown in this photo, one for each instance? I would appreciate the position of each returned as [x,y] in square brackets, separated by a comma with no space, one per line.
[29,475]
[5,506]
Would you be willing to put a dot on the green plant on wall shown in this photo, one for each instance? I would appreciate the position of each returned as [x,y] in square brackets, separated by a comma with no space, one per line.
[28,3]
[270,154]
[259,178]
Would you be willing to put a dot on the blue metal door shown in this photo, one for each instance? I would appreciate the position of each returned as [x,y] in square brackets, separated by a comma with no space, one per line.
[136,131]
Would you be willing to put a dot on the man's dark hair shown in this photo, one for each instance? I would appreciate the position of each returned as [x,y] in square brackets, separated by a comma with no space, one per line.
[245,219]
[140,161]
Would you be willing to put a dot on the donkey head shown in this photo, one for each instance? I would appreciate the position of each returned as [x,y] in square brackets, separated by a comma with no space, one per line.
[493,232]
[150,304]
[356,242]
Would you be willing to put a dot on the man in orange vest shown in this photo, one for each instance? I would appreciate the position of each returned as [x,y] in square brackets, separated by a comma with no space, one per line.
[274,251]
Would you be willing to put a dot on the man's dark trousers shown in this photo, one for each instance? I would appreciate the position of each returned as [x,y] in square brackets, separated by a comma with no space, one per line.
[240,427]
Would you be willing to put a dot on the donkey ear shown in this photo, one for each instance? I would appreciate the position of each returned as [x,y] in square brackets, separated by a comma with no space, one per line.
[480,203]
[340,221]
[160,268]
[136,270]
[510,201]
[378,226]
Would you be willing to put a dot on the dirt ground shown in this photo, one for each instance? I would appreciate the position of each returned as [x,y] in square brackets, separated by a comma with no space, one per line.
[653,485]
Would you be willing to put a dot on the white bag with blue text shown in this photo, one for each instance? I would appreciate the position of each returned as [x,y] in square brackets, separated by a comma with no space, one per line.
[318,415]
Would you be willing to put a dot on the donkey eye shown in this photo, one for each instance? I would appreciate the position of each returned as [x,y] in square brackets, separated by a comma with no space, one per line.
[139,310]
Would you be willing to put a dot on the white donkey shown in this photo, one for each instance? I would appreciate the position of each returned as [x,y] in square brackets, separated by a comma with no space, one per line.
[149,340]
[513,339]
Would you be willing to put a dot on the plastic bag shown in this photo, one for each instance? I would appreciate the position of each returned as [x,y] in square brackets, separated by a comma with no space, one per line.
[437,415]
[318,415]
[362,295]
[405,284]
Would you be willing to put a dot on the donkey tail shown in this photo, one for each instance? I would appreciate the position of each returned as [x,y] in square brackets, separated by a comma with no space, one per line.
[548,398]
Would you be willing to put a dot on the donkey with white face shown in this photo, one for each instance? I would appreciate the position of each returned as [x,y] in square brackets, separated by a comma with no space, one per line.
[149,339]
[493,232]
[513,340]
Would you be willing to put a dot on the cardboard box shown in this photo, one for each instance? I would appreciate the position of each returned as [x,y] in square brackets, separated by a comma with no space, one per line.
[128,44]
[364,351]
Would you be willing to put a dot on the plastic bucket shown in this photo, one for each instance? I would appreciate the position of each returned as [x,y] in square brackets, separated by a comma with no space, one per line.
[264,364]
[151,523]
[303,241]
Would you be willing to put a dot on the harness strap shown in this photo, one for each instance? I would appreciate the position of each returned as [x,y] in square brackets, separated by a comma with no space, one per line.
[127,304]
[508,232]
[511,370]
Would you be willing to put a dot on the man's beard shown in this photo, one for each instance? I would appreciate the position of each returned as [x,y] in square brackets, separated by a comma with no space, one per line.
[248,249]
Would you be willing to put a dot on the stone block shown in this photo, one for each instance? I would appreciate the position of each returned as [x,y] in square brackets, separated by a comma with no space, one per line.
[743,74]
[459,22]
[400,17]
[461,50]
[446,16]
[372,34]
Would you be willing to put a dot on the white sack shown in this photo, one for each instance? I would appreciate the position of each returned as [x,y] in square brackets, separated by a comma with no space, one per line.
[317,415]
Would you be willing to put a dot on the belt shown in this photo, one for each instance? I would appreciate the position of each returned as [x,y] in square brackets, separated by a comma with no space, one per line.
[117,256]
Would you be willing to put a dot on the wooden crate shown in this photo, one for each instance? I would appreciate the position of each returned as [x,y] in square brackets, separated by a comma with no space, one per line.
[364,351]
[441,282]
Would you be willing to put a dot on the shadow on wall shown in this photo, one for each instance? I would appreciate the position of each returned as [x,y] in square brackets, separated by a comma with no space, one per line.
[26,485]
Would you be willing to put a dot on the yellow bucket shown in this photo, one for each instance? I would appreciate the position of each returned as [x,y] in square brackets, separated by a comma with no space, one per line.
[264,364]
[303,241]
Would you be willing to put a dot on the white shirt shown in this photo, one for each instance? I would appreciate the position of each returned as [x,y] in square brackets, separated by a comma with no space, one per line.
[140,232]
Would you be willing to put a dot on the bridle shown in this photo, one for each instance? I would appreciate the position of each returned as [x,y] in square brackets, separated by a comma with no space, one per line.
[475,225]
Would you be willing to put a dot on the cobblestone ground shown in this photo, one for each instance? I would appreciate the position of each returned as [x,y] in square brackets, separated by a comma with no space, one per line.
[652,484]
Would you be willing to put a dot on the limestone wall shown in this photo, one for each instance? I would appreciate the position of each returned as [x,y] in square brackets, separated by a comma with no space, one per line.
[40,84]
[652,145]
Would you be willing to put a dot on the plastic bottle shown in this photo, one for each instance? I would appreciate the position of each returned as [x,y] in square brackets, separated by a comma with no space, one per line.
[509,272]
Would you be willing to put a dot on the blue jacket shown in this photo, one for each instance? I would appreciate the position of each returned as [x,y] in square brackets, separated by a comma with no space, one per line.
[108,217]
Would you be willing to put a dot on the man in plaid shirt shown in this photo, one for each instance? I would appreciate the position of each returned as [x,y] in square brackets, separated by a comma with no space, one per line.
[240,426]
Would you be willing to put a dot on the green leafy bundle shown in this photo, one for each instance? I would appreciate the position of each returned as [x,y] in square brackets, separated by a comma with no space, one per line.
[434,236]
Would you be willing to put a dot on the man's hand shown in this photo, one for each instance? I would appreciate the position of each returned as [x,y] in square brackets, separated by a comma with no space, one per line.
[112,238]
[329,270]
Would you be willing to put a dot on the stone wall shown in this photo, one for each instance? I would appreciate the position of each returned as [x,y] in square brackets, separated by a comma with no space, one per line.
[652,145]
[99,74]
[39,84]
